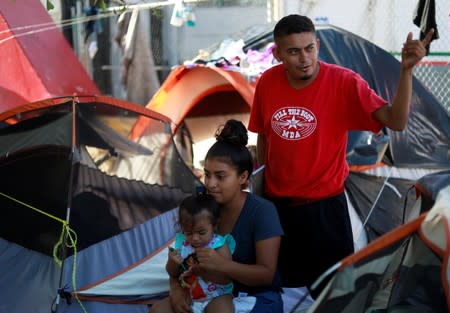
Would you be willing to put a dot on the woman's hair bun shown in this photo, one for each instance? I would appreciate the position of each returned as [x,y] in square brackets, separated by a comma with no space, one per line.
[233,132]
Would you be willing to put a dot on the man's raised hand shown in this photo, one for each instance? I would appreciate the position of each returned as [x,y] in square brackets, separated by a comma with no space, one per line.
[414,49]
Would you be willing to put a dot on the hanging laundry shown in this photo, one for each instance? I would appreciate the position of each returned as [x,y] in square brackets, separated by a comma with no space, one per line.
[177,17]
[425,19]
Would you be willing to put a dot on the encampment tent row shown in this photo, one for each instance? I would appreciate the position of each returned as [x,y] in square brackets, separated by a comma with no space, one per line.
[90,184]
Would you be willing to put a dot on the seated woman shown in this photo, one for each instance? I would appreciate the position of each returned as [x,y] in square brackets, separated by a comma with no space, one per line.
[251,220]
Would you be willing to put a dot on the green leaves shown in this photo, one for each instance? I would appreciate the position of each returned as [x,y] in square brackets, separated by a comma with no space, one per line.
[49,5]
[101,4]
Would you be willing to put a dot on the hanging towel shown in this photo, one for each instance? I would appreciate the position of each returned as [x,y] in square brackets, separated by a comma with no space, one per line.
[425,19]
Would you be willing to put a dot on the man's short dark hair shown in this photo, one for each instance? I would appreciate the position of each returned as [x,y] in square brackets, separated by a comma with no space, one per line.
[293,24]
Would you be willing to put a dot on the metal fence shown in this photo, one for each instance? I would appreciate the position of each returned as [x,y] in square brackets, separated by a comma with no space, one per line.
[383,22]
[386,23]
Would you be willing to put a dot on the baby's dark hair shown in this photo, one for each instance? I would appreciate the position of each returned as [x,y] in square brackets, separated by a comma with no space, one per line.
[293,24]
[231,147]
[197,203]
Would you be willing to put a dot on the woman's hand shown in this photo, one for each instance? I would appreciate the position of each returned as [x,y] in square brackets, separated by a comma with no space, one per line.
[211,264]
[208,259]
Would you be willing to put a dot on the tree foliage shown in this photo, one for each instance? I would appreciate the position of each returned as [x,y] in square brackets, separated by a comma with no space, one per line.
[100,3]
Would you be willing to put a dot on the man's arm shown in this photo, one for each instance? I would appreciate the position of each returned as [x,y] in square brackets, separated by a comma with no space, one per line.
[261,146]
[396,116]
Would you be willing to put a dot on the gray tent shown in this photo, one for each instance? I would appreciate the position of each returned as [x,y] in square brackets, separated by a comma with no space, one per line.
[71,213]
[405,270]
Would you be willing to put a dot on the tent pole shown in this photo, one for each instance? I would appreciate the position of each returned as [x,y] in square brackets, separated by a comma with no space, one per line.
[361,229]
[72,160]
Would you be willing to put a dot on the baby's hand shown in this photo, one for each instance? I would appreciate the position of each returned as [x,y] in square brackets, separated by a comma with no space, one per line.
[175,256]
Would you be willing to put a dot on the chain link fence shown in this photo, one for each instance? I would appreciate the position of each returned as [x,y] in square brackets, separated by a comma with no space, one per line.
[383,22]
[386,23]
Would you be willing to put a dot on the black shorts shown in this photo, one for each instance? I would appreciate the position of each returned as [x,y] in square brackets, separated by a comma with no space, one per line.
[316,236]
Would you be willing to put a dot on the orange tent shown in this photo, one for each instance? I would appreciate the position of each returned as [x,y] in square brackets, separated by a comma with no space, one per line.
[192,94]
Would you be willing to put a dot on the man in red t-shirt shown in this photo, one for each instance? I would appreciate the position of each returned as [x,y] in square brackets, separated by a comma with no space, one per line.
[302,111]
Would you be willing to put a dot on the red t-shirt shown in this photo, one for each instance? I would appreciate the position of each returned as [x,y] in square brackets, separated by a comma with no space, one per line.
[306,129]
